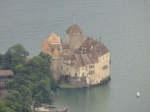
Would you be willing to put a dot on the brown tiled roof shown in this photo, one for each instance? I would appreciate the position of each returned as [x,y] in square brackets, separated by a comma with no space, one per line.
[87,59]
[53,38]
[6,73]
[90,42]
[95,48]
[68,57]
[73,29]
[94,55]
[79,61]
[50,44]
[101,49]
[45,46]
[78,51]
[83,59]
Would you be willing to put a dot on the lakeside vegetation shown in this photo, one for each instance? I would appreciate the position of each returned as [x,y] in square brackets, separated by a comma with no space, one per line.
[67,86]
[33,80]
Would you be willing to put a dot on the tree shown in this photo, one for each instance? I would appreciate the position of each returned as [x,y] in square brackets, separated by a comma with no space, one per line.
[37,104]
[54,84]
[32,81]
[6,109]
[7,60]
[1,59]
[14,100]
[18,50]
[46,56]
[14,96]
[26,107]
[15,62]
[42,92]
[2,104]
[26,94]
[20,69]
[14,55]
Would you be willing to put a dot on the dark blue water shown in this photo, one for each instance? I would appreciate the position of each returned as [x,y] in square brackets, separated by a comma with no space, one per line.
[123,25]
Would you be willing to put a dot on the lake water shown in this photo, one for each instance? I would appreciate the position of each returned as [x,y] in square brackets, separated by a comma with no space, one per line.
[123,25]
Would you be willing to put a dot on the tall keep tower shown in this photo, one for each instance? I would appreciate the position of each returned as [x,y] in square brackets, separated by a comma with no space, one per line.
[74,37]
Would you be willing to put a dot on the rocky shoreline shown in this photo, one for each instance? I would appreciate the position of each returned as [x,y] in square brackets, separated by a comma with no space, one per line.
[47,109]
[105,81]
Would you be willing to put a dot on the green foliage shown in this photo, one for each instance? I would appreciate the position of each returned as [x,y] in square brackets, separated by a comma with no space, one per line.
[37,104]
[13,100]
[54,84]
[67,86]
[1,60]
[14,56]
[2,104]
[14,96]
[26,94]
[20,69]
[25,107]
[33,80]
[7,59]
[18,51]
[6,109]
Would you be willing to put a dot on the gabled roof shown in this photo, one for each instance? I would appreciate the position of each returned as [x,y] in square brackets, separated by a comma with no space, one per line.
[90,42]
[45,47]
[87,59]
[68,57]
[94,49]
[101,49]
[74,29]
[79,61]
[83,46]
[53,38]
[6,73]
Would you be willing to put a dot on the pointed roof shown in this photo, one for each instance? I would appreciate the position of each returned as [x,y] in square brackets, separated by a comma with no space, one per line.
[53,38]
[45,47]
[74,29]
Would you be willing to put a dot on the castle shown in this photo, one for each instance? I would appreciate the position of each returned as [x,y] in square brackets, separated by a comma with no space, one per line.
[81,61]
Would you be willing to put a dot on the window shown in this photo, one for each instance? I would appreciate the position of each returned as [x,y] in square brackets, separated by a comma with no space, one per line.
[91,72]
[86,67]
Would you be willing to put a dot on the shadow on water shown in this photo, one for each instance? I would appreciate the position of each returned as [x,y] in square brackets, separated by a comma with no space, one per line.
[87,99]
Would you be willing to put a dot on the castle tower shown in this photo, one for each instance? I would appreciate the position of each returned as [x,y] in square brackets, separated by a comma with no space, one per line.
[53,46]
[74,37]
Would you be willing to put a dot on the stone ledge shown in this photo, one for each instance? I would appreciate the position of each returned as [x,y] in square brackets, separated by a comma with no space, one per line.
[69,86]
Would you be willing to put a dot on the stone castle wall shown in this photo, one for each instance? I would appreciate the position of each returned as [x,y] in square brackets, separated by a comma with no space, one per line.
[56,67]
[75,40]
